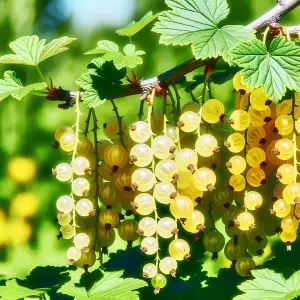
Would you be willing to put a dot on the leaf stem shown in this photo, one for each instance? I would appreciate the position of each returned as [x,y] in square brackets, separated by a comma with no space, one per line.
[40,73]
[38,94]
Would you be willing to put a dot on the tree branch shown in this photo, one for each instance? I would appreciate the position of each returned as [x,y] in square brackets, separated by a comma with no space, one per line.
[166,79]
[275,14]
[293,30]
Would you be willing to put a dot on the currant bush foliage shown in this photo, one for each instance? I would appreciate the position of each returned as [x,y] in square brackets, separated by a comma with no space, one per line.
[11,85]
[130,57]
[267,284]
[275,66]
[110,286]
[101,80]
[164,170]
[197,23]
[30,50]
[134,27]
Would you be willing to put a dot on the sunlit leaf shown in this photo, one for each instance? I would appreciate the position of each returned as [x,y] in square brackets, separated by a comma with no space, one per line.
[12,86]
[270,285]
[130,58]
[13,291]
[197,22]
[110,287]
[275,66]
[134,27]
[30,50]
[105,47]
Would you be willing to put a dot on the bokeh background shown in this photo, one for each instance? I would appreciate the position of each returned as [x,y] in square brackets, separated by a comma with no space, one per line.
[28,191]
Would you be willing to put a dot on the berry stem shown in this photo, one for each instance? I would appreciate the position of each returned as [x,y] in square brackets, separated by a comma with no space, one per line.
[266,34]
[173,105]
[95,132]
[210,95]
[177,101]
[76,125]
[86,130]
[141,110]
[295,139]
[193,97]
[202,99]
[150,109]
[120,133]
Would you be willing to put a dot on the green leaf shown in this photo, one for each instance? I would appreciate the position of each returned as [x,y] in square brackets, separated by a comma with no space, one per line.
[30,50]
[197,22]
[109,287]
[13,291]
[12,86]
[270,285]
[274,67]
[134,27]
[110,50]
[102,80]
[105,47]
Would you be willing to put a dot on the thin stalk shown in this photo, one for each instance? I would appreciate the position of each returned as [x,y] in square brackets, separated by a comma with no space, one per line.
[193,96]
[120,133]
[141,110]
[177,100]
[38,94]
[202,99]
[40,73]
[86,130]
[210,95]
[150,109]
[173,106]
[295,140]
[76,125]
[165,115]
[95,131]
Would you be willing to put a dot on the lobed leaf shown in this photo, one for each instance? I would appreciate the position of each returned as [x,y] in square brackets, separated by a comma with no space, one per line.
[130,58]
[102,80]
[13,291]
[109,287]
[12,86]
[275,66]
[30,50]
[134,27]
[197,22]
[270,285]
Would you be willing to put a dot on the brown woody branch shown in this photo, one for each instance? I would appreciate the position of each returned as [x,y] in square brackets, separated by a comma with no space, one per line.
[167,78]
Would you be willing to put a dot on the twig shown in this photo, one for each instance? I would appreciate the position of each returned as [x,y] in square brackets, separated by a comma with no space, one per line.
[293,30]
[274,14]
[167,78]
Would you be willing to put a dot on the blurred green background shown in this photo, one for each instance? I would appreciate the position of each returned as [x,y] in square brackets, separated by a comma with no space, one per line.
[27,210]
